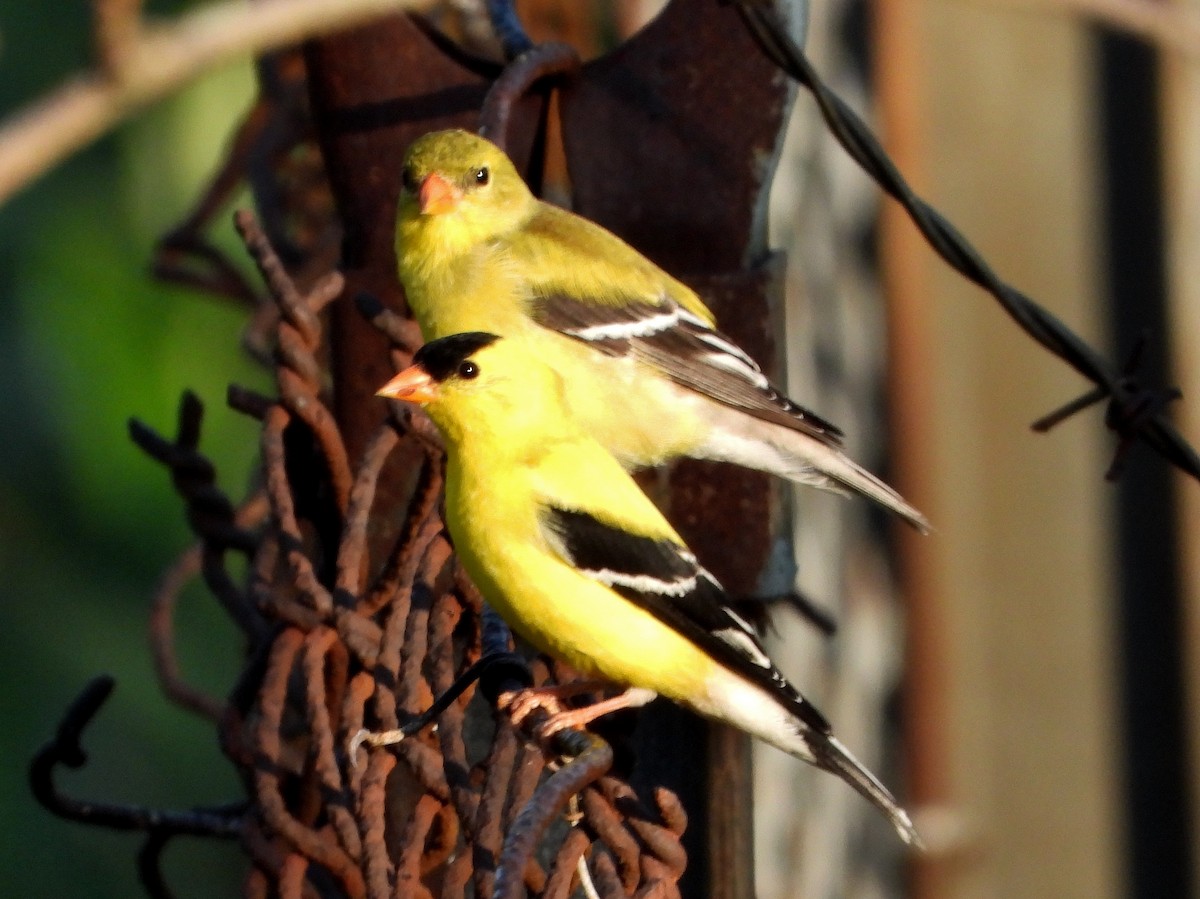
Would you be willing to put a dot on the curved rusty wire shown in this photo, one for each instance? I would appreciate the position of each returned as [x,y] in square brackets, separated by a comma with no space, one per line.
[592,758]
[539,62]
[162,619]
[159,825]
[66,748]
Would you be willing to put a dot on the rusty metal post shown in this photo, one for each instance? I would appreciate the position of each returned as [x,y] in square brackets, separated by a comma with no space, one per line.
[671,141]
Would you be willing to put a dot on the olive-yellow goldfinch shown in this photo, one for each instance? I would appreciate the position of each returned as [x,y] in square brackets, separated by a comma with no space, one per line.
[564,545]
[646,373]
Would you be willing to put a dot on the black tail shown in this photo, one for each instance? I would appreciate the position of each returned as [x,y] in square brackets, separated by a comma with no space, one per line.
[833,756]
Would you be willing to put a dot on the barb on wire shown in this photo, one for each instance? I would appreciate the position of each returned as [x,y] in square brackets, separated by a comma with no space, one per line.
[210,513]
[1134,411]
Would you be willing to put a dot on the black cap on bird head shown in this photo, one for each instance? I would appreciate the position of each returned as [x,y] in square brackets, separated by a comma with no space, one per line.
[441,358]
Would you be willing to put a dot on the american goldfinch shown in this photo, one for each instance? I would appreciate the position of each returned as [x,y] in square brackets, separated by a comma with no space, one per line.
[564,545]
[646,373]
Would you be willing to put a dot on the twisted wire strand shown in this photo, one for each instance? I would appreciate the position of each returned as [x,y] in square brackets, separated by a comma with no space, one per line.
[1134,411]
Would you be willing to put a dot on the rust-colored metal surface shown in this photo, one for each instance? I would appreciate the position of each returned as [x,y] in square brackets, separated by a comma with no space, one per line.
[671,139]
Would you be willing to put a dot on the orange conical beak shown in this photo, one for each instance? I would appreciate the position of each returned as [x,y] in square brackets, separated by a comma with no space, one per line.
[437,195]
[413,385]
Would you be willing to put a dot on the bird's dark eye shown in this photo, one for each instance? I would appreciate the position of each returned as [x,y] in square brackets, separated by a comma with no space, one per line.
[409,180]
[482,175]
[468,370]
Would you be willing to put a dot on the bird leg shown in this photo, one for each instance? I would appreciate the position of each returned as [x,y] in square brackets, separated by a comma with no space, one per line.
[520,703]
[632,698]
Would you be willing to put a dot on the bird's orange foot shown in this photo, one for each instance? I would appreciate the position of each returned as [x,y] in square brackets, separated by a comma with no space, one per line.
[521,703]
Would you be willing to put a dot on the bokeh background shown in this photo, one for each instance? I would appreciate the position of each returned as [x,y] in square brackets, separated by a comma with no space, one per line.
[87,522]
[1048,720]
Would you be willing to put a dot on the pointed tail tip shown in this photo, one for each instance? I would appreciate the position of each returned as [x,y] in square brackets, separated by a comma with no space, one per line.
[895,503]
[915,518]
[904,826]
[892,500]
[838,759]
[861,481]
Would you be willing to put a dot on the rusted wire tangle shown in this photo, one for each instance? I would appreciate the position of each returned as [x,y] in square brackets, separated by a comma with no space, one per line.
[338,640]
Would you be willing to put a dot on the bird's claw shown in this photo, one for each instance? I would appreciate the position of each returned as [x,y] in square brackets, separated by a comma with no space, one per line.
[520,704]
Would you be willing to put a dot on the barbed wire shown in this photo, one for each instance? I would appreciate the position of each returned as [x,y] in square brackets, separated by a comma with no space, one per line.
[1134,411]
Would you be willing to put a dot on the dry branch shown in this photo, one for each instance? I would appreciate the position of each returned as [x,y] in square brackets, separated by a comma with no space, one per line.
[156,60]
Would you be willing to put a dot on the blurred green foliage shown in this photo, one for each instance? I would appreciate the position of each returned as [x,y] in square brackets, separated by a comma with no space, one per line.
[87,523]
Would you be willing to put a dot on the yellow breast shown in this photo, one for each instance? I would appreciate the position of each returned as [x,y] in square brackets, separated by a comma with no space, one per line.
[550,604]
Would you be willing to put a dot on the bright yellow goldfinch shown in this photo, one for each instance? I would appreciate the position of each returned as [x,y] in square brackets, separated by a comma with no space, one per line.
[646,373]
[568,550]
